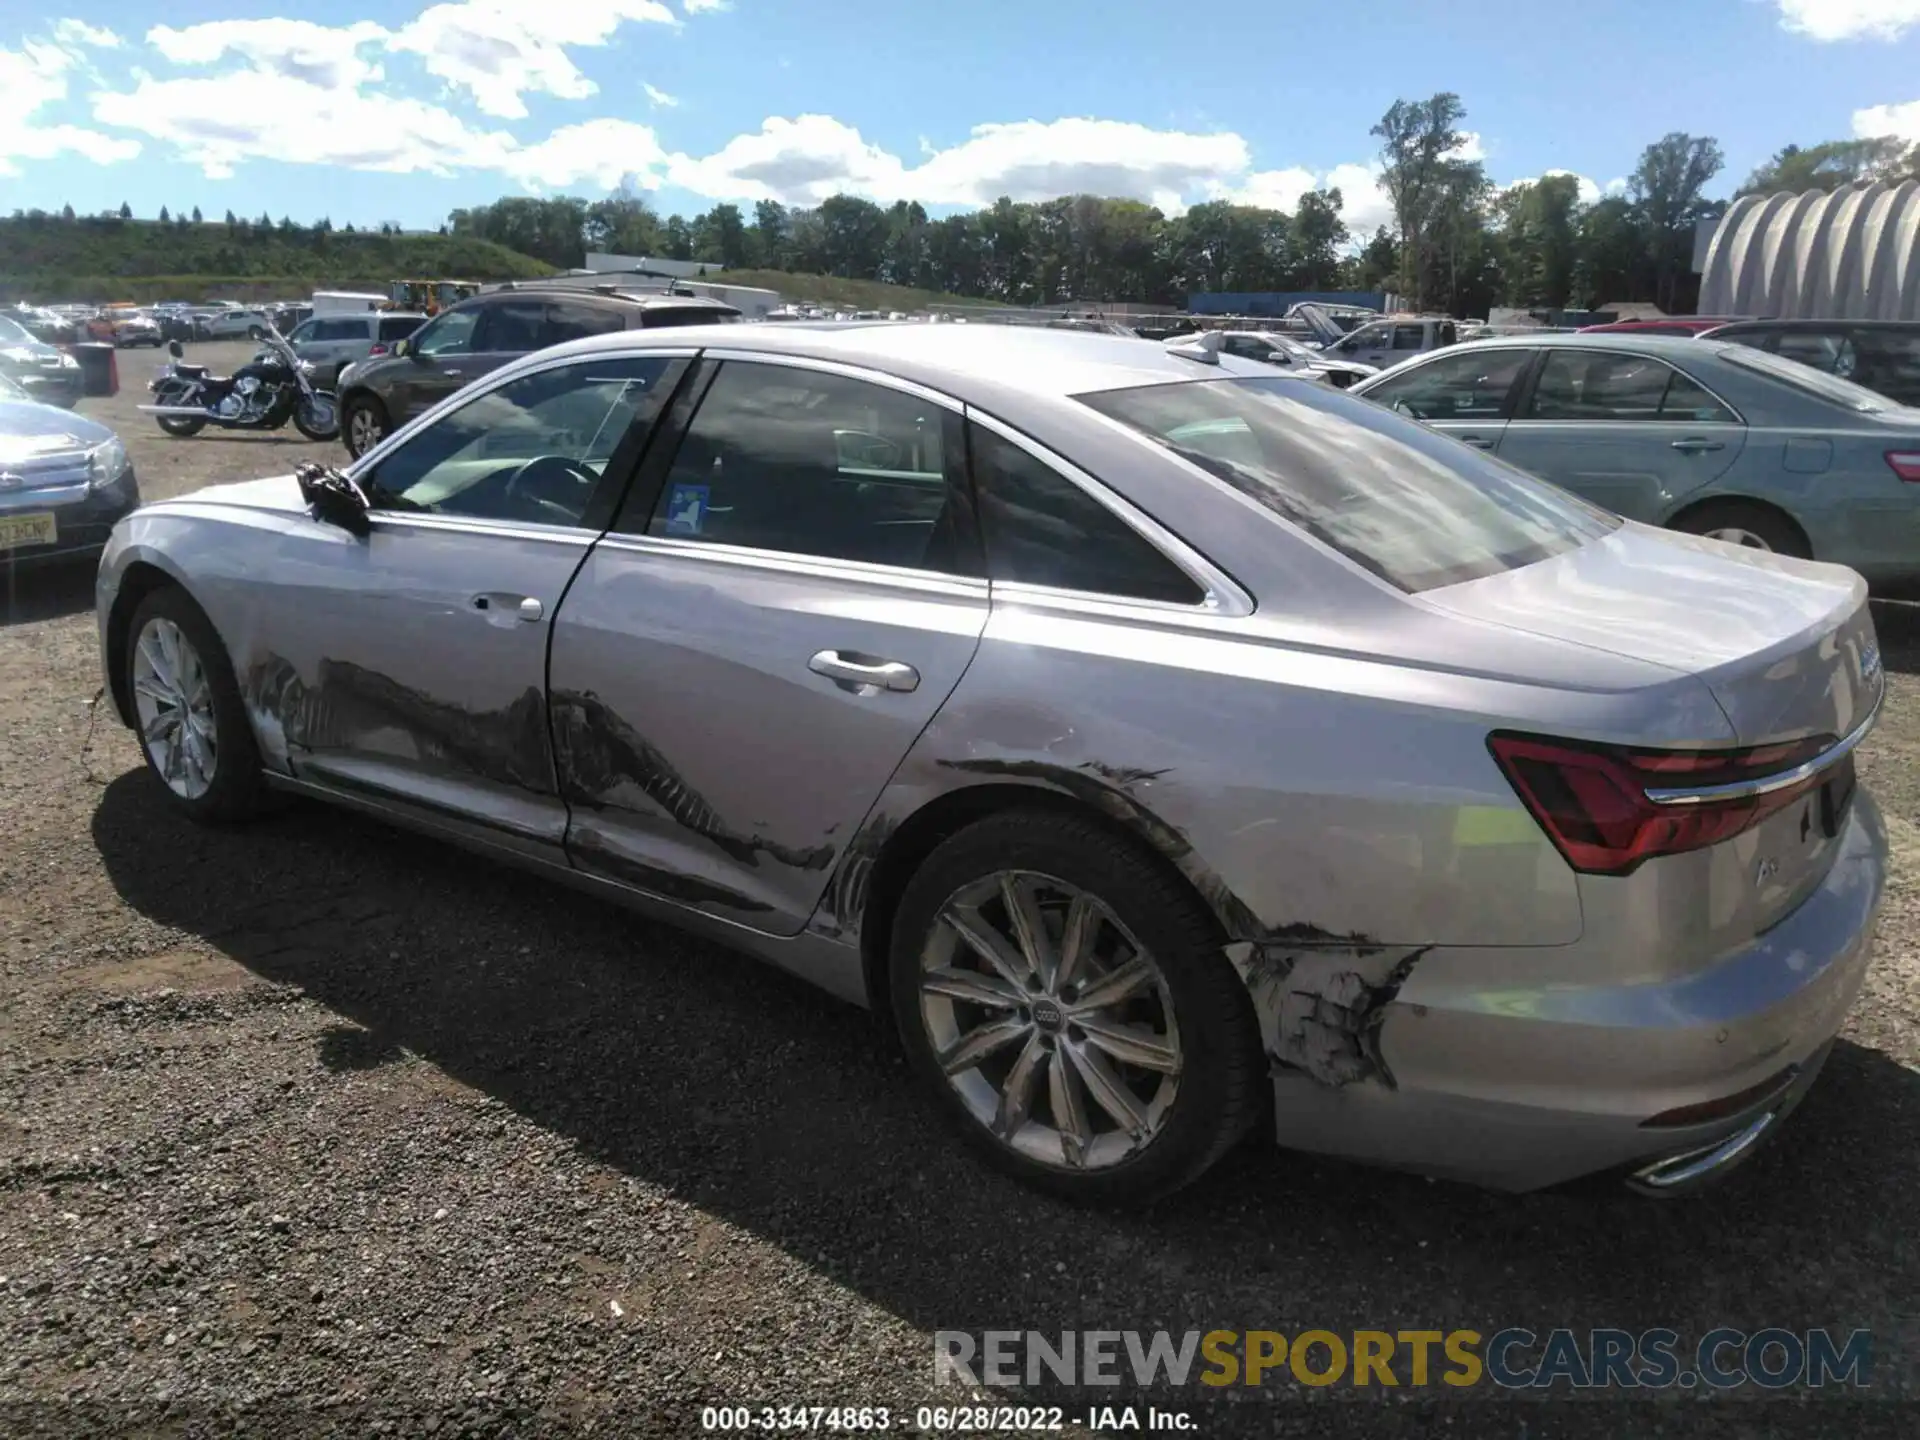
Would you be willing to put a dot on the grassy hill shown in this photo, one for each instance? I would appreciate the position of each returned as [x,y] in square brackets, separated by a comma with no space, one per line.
[49,260]
[832,290]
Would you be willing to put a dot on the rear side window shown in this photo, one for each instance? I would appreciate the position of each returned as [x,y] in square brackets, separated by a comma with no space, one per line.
[1807,380]
[1599,385]
[1042,529]
[572,320]
[514,327]
[398,327]
[801,461]
[1414,507]
[1887,361]
[655,315]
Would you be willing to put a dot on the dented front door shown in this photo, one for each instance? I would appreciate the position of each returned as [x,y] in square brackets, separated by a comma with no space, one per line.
[414,668]
[738,670]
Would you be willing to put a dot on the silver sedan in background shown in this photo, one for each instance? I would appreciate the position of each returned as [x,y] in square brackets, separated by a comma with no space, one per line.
[1170,747]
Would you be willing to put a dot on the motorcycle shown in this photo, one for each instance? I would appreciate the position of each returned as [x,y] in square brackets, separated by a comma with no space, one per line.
[274,387]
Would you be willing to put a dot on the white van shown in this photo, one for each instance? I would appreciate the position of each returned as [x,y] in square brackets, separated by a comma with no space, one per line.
[345,302]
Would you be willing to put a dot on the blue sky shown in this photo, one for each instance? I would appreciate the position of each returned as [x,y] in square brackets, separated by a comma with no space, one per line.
[400,110]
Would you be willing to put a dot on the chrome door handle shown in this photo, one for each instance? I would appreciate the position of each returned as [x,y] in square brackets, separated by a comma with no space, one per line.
[1693,447]
[863,674]
[1477,442]
[532,609]
[445,370]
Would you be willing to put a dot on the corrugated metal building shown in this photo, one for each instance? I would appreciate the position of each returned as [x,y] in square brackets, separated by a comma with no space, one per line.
[1851,255]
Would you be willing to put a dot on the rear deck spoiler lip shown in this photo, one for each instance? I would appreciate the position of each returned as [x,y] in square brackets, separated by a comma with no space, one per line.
[1783,780]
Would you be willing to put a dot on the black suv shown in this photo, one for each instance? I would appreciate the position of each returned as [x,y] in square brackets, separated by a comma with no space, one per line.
[1883,355]
[462,343]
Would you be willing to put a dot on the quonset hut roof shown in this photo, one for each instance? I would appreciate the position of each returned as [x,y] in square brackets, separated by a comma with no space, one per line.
[1851,255]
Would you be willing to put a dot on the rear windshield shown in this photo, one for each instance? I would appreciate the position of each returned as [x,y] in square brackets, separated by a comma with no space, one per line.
[691,315]
[1830,388]
[1414,507]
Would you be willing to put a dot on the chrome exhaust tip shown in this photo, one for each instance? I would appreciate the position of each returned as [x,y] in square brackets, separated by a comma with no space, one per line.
[1676,1171]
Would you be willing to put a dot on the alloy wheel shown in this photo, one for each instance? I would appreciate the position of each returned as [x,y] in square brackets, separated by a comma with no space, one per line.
[1735,535]
[174,702]
[1052,1023]
[363,426]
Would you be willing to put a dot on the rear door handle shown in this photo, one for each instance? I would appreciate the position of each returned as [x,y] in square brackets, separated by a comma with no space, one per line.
[860,674]
[1693,446]
[449,370]
[1478,442]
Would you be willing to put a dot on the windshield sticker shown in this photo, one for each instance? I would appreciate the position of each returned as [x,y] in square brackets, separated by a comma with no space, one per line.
[686,508]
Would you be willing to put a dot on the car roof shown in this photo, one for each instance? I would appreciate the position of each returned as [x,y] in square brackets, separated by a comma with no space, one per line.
[1676,347]
[646,299]
[1033,359]
[1745,326]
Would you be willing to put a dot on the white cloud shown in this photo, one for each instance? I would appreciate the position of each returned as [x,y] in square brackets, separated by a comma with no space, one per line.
[79,33]
[703,7]
[220,122]
[318,55]
[803,160]
[1849,19]
[499,50]
[1272,189]
[1877,120]
[660,97]
[602,153]
[1472,146]
[31,78]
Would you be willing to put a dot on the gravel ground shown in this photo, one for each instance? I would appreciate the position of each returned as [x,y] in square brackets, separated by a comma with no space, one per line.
[321,1127]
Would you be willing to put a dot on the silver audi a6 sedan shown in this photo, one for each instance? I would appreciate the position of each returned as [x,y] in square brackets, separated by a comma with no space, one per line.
[1169,746]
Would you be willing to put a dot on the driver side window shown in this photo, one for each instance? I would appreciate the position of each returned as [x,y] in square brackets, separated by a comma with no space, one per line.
[531,451]
[451,334]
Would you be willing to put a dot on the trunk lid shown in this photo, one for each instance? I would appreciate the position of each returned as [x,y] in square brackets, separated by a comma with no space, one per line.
[1786,646]
[1787,649]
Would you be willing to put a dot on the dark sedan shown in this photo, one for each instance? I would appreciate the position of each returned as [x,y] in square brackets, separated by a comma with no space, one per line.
[46,372]
[1883,355]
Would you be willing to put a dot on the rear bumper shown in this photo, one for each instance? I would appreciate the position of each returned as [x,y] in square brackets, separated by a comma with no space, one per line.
[1534,1085]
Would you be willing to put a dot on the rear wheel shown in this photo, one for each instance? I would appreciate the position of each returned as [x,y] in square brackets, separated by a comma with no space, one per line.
[254,332]
[1746,524]
[364,423]
[187,710]
[180,425]
[1067,1002]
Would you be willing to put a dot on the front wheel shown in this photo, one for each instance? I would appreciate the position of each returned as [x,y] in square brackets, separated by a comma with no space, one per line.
[188,712]
[364,423]
[254,332]
[1067,1002]
[316,417]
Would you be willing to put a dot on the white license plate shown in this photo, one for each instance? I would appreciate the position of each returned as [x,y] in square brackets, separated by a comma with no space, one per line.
[36,529]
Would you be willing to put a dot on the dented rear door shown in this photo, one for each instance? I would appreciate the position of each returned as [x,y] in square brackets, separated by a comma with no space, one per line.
[789,596]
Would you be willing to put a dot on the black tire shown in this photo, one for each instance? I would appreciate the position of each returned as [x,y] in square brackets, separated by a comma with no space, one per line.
[1773,529]
[1221,1089]
[371,412]
[180,426]
[304,423]
[237,792]
[254,332]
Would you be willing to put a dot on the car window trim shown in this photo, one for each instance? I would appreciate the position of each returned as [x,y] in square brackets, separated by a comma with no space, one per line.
[1220,594]
[1540,366]
[599,511]
[796,562]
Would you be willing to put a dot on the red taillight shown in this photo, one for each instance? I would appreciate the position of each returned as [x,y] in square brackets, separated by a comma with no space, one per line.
[1592,799]
[378,349]
[1906,464]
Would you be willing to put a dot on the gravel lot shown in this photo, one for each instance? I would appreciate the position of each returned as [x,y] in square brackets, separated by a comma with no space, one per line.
[334,1127]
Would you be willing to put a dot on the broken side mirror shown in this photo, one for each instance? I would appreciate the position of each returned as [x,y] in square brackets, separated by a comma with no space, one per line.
[401,347]
[335,499]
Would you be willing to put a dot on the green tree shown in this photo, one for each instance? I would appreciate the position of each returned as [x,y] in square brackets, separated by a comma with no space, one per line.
[1319,235]
[66,213]
[1666,190]
[676,239]
[1835,163]
[769,234]
[1420,142]
[1377,264]
[1540,241]
[196,215]
[165,218]
[854,236]
[126,211]
[1611,248]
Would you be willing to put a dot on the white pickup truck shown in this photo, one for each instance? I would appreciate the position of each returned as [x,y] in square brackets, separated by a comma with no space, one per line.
[1388,341]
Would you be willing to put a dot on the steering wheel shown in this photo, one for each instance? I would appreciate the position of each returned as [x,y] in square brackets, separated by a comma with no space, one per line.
[554,488]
